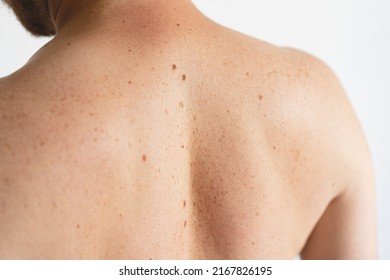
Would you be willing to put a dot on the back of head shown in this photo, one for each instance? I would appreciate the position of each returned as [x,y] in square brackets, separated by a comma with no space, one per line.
[34,15]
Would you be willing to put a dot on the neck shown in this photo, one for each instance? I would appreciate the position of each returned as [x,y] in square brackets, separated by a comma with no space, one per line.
[77,15]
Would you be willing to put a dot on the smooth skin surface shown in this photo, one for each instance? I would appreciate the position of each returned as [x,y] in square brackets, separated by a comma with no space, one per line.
[144,130]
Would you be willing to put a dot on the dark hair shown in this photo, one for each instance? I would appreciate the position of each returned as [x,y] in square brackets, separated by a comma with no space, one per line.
[34,15]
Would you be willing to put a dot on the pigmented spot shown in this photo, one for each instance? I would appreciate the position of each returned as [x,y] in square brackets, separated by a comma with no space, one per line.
[177,24]
[166,111]
[144,26]
[129,82]
[184,204]
[253,243]
[174,67]
[129,50]
[69,44]
[42,143]
[296,154]
[182,146]
[78,226]
[6,181]
[261,97]
[257,214]
[144,158]
[274,147]
[248,74]
[181,104]
[185,223]
[184,77]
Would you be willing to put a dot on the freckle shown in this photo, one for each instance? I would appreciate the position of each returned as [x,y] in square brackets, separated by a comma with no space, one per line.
[182,146]
[26,206]
[274,147]
[257,214]
[42,143]
[177,24]
[54,204]
[95,139]
[260,97]
[247,73]
[166,111]
[184,77]
[181,104]
[123,21]
[129,50]
[130,82]
[253,243]
[120,215]
[174,67]
[117,139]
[184,204]
[144,158]
[185,223]
[144,26]
[69,44]
[78,226]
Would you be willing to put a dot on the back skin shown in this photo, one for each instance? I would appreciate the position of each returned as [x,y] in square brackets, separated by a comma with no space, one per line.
[154,133]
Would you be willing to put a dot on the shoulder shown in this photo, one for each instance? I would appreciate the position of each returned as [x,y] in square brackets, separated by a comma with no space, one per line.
[332,120]
[308,108]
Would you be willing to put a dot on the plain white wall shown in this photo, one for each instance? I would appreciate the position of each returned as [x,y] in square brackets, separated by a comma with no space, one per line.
[352,36]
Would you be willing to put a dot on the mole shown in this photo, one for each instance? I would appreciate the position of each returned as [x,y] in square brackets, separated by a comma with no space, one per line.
[184,77]
[144,158]
[69,44]
[174,67]
[184,204]
[177,24]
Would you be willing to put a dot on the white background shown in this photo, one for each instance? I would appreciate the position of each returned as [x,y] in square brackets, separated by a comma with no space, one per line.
[352,36]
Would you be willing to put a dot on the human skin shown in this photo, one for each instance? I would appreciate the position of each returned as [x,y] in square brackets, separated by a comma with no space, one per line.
[144,130]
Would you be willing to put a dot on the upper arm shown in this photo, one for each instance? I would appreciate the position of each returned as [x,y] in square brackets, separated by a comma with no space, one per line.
[347,228]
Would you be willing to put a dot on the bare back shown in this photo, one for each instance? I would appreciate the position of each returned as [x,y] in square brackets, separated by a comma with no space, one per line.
[195,144]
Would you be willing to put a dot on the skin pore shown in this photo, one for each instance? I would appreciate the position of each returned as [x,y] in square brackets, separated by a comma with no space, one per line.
[144,130]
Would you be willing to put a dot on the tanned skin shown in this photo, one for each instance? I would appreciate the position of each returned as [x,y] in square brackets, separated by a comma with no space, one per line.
[144,130]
